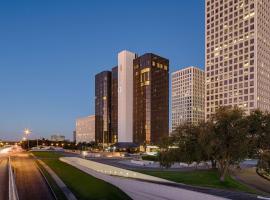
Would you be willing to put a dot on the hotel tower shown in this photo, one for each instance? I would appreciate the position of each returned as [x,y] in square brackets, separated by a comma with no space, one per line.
[237,51]
[150,99]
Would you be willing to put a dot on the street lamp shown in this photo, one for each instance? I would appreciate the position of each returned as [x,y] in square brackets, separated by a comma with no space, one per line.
[27,133]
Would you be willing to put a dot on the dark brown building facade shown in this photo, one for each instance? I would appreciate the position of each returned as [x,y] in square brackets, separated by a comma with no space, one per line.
[103,107]
[114,105]
[150,99]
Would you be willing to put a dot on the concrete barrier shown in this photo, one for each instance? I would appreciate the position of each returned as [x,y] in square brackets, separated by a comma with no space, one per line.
[110,170]
[12,189]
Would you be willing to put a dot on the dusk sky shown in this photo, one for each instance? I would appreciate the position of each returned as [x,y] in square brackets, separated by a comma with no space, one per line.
[51,50]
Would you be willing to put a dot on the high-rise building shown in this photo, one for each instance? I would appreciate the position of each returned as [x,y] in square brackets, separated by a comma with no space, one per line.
[151,98]
[188,90]
[103,107]
[125,96]
[74,136]
[114,105]
[85,129]
[237,54]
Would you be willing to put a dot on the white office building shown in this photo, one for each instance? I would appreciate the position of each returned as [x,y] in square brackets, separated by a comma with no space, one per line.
[188,91]
[125,96]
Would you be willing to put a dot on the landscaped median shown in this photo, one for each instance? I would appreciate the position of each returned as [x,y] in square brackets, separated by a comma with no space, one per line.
[79,175]
[81,184]
[201,178]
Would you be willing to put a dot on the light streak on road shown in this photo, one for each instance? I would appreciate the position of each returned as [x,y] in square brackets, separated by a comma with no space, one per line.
[5,150]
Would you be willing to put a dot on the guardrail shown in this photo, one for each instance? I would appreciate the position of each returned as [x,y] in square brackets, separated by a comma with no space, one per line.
[12,189]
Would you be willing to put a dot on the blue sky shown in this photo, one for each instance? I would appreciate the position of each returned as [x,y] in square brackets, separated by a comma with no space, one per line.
[51,50]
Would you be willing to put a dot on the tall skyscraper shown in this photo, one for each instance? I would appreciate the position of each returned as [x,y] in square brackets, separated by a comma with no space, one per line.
[188,91]
[151,98]
[85,129]
[237,54]
[125,96]
[114,105]
[103,107]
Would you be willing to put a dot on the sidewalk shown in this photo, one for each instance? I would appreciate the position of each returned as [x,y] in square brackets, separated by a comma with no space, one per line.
[250,177]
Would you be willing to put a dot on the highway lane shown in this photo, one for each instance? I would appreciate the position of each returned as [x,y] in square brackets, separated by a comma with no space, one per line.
[3,178]
[29,181]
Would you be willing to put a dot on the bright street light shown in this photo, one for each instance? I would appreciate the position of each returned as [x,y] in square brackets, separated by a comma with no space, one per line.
[27,132]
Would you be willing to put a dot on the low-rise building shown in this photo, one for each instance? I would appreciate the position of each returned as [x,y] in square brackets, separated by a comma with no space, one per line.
[57,138]
[85,129]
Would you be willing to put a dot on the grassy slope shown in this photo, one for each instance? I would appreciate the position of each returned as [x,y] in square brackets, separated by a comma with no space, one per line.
[201,178]
[58,192]
[81,184]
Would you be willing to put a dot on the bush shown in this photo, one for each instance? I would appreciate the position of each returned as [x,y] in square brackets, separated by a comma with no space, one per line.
[150,158]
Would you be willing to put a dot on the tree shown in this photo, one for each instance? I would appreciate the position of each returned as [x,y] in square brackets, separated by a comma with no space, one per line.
[228,138]
[207,142]
[186,139]
[264,141]
[255,128]
[258,131]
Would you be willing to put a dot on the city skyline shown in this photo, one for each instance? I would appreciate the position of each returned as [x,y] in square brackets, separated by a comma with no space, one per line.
[143,100]
[47,77]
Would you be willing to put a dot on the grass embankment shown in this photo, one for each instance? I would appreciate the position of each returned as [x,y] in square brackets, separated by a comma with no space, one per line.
[82,185]
[204,178]
[58,192]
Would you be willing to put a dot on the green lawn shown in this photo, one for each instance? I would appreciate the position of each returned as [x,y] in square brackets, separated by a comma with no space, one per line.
[81,184]
[204,178]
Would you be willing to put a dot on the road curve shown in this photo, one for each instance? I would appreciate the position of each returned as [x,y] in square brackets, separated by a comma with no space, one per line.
[3,178]
[29,181]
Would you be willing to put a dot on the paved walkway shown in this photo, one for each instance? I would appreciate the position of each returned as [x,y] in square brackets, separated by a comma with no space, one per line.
[69,195]
[250,177]
[141,190]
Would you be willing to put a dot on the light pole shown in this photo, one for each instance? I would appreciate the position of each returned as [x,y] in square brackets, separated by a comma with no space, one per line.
[27,133]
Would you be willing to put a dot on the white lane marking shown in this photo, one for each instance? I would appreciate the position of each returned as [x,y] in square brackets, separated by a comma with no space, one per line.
[260,197]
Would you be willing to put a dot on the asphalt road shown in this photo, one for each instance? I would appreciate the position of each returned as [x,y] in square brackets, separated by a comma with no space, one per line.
[3,178]
[29,181]
[250,177]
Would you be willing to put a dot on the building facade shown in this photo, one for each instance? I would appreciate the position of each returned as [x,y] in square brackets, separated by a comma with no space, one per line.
[57,138]
[114,105]
[237,54]
[103,107]
[125,96]
[188,92]
[85,129]
[150,98]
